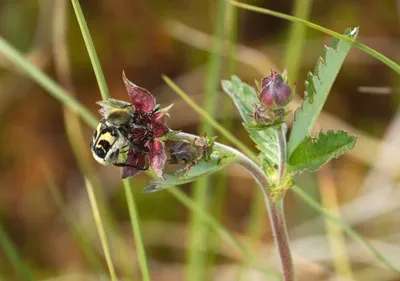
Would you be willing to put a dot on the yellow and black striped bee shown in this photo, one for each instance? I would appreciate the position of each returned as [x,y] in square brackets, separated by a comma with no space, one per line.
[107,143]
[113,134]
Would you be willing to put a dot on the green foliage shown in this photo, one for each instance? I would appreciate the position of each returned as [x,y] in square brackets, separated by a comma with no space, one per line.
[201,169]
[244,96]
[312,153]
[318,85]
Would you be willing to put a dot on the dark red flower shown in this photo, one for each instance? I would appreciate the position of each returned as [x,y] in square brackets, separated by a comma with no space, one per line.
[148,125]
[274,92]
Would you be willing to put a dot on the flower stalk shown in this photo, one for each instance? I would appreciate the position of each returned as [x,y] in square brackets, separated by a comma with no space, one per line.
[274,204]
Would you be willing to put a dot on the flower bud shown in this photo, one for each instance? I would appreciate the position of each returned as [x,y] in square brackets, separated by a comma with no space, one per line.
[274,92]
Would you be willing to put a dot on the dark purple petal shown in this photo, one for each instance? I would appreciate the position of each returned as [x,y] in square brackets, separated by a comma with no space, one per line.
[133,160]
[141,98]
[158,157]
[158,124]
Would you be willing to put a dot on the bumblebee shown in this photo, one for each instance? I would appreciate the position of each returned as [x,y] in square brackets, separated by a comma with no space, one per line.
[107,143]
[113,135]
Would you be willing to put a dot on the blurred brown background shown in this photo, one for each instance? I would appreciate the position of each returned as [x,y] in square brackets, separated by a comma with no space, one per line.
[154,37]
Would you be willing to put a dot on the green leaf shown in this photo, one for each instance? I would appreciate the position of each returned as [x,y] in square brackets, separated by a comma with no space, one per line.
[202,168]
[244,97]
[318,85]
[312,153]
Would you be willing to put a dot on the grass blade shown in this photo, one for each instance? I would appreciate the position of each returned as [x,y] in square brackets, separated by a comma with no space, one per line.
[85,246]
[46,82]
[309,200]
[134,216]
[217,126]
[100,230]
[354,43]
[12,254]
[346,228]
[198,235]
[101,81]
[248,254]
[295,44]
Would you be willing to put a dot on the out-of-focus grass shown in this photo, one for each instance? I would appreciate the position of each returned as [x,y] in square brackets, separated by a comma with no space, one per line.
[312,202]
[198,233]
[359,45]
[296,40]
[248,253]
[81,239]
[95,118]
[228,111]
[100,229]
[12,254]
[133,212]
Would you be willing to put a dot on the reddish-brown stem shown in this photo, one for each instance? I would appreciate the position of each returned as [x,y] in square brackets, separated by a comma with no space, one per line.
[276,215]
[274,206]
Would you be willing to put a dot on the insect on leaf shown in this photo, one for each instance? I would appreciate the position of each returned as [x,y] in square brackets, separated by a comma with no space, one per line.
[312,153]
[244,96]
[318,85]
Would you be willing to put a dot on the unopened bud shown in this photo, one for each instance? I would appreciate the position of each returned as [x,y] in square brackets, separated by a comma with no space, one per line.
[274,92]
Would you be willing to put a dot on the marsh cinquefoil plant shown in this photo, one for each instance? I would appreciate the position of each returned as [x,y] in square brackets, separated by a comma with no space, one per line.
[263,111]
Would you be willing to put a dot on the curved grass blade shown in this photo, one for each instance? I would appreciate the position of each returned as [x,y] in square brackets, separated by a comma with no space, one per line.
[133,214]
[249,255]
[46,82]
[12,254]
[94,59]
[57,92]
[217,126]
[318,85]
[356,44]
[347,229]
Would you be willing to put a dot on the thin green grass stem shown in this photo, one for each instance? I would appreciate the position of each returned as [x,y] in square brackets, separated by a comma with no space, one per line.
[46,82]
[354,43]
[81,239]
[58,93]
[94,59]
[12,254]
[296,40]
[198,233]
[135,219]
[255,227]
[221,178]
[100,230]
[217,126]
[346,228]
[304,196]
[249,255]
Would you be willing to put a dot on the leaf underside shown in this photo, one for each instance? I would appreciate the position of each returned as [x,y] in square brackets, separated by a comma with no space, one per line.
[197,171]
[244,96]
[318,85]
[312,153]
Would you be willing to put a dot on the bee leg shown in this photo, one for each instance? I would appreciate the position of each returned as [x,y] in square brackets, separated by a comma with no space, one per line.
[133,166]
[155,109]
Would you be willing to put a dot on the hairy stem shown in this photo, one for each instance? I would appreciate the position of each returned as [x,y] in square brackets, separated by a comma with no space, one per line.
[274,207]
[282,154]
[277,217]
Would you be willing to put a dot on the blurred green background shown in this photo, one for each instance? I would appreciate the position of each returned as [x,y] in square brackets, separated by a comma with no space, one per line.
[44,208]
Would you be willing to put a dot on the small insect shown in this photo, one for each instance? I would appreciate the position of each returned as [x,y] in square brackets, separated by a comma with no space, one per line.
[107,143]
[115,133]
